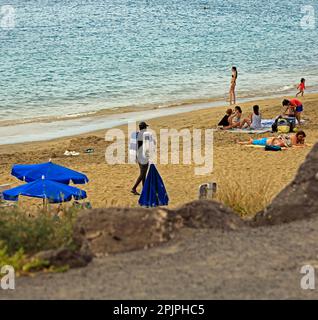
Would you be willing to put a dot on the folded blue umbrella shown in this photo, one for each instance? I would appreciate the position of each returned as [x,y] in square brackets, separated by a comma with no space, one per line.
[50,170]
[52,191]
[153,193]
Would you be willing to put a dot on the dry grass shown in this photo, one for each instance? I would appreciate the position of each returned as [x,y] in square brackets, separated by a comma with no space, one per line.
[247,197]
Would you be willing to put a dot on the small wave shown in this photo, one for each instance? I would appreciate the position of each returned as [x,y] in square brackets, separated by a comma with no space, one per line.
[286,88]
[76,115]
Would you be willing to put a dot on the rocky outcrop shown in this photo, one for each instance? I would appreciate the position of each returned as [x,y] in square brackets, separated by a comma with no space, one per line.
[114,230]
[209,214]
[65,257]
[299,200]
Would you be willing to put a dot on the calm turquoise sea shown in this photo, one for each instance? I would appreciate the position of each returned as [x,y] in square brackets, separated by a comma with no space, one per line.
[68,57]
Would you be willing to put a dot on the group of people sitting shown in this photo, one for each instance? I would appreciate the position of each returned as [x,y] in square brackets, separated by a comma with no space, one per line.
[234,119]
[293,109]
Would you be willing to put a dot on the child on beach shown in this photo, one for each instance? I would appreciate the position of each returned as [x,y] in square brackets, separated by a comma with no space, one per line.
[254,121]
[234,119]
[301,87]
[225,120]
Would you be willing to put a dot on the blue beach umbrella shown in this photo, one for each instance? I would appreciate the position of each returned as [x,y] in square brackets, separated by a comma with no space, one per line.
[50,170]
[52,191]
[153,193]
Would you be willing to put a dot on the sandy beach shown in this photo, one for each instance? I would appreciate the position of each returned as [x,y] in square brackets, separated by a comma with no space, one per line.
[247,173]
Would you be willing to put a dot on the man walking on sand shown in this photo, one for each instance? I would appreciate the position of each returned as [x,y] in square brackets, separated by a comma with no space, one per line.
[142,157]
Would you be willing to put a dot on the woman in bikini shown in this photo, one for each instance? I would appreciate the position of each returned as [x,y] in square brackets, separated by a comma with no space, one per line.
[233,85]
[296,140]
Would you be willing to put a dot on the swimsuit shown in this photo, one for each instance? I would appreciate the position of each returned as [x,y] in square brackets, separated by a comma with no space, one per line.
[236,119]
[300,108]
[260,142]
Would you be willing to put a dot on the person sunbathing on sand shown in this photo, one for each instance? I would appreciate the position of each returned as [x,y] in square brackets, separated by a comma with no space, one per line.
[297,140]
[234,119]
[271,141]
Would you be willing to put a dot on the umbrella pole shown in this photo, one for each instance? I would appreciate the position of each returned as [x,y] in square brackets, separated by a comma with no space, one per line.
[45,204]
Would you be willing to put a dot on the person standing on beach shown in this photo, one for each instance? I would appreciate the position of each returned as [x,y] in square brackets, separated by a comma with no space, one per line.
[233,85]
[142,158]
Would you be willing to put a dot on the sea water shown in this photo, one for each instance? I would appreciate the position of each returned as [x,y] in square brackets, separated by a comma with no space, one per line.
[61,57]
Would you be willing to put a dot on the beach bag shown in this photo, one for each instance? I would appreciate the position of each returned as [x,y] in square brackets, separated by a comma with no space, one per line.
[272,148]
[292,123]
[283,126]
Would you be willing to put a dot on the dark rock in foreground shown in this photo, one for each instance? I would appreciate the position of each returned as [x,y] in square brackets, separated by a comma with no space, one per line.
[299,200]
[114,230]
[62,257]
[209,214]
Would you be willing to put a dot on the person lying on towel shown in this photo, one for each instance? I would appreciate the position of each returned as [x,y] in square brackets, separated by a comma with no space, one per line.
[297,140]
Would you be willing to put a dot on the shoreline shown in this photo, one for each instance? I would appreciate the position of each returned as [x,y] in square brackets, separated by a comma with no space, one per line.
[32,130]
[101,109]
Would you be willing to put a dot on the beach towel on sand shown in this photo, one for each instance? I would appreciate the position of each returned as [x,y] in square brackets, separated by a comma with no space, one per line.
[251,131]
[267,123]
